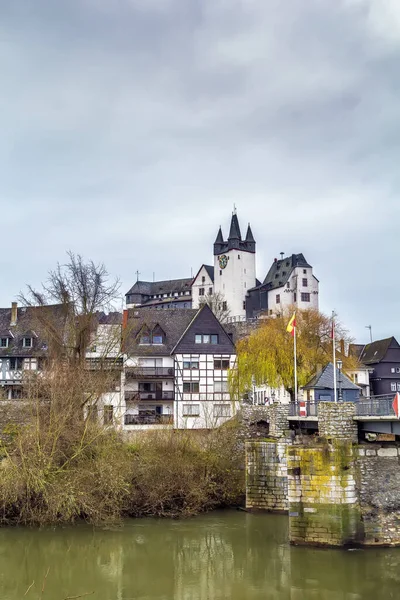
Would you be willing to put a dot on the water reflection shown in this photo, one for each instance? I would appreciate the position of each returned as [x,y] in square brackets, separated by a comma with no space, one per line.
[222,555]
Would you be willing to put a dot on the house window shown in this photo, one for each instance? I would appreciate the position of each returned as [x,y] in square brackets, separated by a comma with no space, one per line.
[210,290]
[203,279]
[355,377]
[15,364]
[304,271]
[222,410]
[27,342]
[201,291]
[398,387]
[221,386]
[278,299]
[191,410]
[157,338]
[305,282]
[30,364]
[205,338]
[4,342]
[193,365]
[108,414]
[144,337]
[190,387]
[224,305]
[239,256]
[305,297]
[294,296]
[244,304]
[393,386]
[221,363]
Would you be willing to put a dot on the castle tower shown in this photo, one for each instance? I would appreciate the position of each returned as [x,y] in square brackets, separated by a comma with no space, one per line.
[235,267]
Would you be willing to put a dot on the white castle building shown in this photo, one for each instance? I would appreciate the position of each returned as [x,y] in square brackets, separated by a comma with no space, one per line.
[289,282]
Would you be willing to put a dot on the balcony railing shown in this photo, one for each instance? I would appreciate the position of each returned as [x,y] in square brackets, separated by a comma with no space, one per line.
[146,372]
[158,395]
[149,420]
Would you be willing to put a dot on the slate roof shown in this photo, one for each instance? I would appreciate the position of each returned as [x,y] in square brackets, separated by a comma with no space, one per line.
[172,322]
[150,288]
[280,270]
[112,318]
[234,240]
[210,272]
[45,324]
[324,380]
[356,350]
[375,352]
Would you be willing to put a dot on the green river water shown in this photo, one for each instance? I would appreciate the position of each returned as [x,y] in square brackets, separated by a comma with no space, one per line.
[229,554]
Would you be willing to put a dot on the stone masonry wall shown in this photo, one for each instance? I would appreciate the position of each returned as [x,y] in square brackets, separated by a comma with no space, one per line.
[322,495]
[379,493]
[266,475]
[336,420]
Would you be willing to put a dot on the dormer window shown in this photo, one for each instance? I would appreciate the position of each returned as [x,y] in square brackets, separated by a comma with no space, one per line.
[144,337]
[157,336]
[27,342]
[4,342]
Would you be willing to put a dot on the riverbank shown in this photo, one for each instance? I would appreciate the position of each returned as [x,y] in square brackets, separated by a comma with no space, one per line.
[61,469]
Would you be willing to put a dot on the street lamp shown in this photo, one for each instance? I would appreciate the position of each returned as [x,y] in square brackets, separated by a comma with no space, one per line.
[339,366]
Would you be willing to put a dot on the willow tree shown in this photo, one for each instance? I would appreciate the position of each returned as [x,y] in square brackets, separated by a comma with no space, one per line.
[266,356]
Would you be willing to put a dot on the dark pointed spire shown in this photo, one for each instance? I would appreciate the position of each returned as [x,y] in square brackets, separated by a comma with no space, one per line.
[220,237]
[249,235]
[234,232]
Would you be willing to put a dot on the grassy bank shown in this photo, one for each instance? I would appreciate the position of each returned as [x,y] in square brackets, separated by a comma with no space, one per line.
[60,468]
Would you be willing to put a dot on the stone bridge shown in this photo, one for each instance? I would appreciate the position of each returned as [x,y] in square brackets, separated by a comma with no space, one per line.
[336,490]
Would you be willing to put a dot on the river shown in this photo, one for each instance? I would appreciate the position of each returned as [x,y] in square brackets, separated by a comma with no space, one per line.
[227,554]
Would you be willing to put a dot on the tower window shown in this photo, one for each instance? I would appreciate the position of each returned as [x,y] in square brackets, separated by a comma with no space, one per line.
[304,271]
[220,272]
[305,282]
[244,304]
[278,298]
[239,256]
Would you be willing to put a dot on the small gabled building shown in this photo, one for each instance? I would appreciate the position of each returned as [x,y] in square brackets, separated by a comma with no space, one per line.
[202,285]
[321,386]
[382,358]
[176,369]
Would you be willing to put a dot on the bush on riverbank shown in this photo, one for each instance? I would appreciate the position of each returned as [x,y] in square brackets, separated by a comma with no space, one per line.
[61,467]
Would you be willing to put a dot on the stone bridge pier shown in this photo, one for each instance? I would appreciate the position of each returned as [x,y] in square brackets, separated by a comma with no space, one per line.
[336,491]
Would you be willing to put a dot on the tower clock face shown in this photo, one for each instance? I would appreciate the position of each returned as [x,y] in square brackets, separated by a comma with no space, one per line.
[223,261]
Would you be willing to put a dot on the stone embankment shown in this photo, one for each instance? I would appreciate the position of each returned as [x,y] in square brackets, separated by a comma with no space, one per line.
[336,492]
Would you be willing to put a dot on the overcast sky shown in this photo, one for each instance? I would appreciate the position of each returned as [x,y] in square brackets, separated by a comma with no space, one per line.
[129,128]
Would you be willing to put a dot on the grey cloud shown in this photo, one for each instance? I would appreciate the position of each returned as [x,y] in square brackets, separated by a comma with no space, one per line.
[130,127]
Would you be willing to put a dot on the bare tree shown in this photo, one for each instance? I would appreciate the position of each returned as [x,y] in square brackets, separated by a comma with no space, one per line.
[84,289]
[218,305]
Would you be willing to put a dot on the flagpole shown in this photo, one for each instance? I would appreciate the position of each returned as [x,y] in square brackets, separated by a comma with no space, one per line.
[295,366]
[334,357]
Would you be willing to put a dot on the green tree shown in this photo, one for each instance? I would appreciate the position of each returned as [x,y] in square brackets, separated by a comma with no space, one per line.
[266,356]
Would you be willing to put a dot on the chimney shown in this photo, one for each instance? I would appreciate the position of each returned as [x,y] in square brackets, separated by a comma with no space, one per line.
[14,313]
